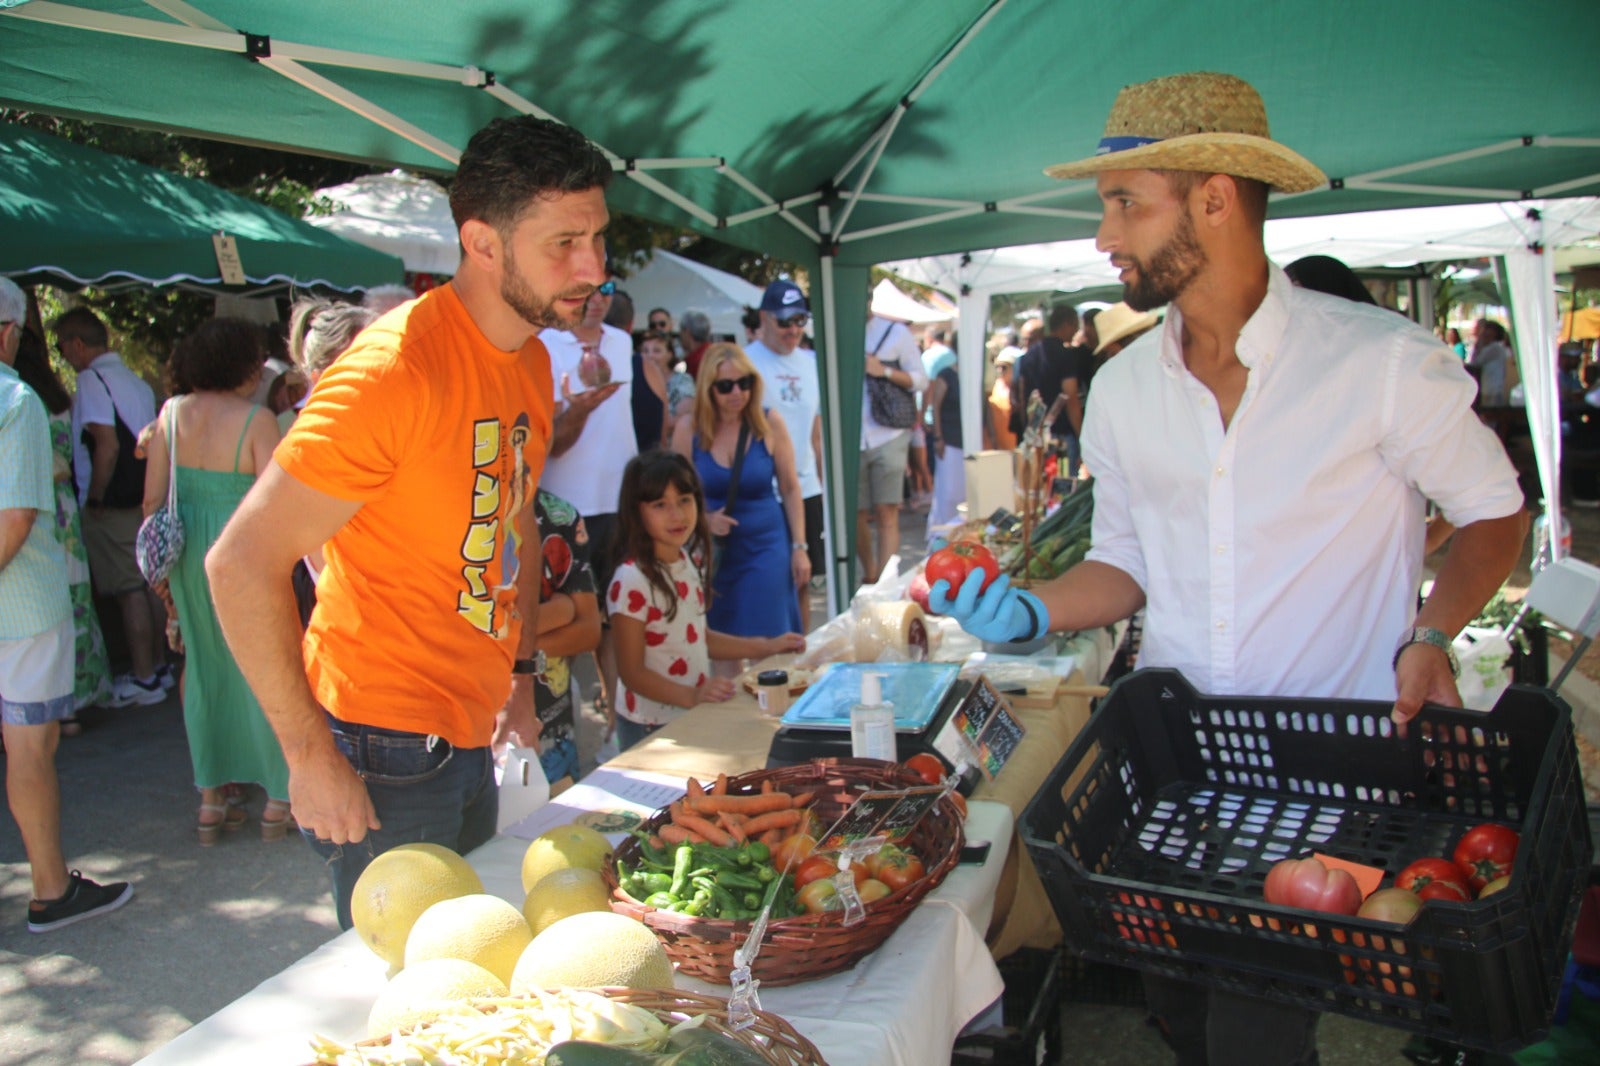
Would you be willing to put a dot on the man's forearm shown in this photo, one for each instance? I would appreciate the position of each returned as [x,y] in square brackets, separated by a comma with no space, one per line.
[101,466]
[568,428]
[15,522]
[256,610]
[1481,555]
[1090,595]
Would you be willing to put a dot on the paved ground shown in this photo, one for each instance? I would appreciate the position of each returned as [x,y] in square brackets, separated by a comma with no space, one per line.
[207,925]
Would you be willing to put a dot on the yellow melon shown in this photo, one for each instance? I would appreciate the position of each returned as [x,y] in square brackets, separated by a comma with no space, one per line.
[428,989]
[398,886]
[562,848]
[593,950]
[563,893]
[478,928]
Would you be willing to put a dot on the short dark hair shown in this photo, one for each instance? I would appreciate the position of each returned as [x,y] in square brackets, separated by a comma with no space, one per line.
[513,161]
[82,323]
[620,313]
[33,367]
[1061,316]
[220,356]
[1090,315]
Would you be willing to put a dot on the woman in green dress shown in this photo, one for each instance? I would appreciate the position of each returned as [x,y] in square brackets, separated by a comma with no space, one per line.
[91,679]
[222,441]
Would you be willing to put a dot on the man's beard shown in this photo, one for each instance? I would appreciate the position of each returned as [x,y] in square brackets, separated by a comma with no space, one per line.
[530,307]
[1169,271]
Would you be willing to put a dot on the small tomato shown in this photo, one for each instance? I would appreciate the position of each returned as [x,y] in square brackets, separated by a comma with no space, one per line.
[926,766]
[872,890]
[899,870]
[814,868]
[820,897]
[1484,853]
[1434,878]
[791,851]
[1391,905]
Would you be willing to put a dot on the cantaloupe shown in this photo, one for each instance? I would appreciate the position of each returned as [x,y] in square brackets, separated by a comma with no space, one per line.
[562,848]
[477,928]
[593,950]
[427,989]
[398,886]
[563,893]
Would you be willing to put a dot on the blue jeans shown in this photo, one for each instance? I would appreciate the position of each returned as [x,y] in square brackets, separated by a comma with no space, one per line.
[423,790]
[630,732]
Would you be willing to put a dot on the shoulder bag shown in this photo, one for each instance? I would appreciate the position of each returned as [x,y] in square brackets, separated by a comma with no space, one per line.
[160,540]
[892,406]
[717,543]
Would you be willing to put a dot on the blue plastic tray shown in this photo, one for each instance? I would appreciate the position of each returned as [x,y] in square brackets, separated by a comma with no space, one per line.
[915,690]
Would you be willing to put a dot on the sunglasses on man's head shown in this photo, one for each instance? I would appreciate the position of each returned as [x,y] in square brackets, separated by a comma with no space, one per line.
[607,288]
[794,321]
[727,385]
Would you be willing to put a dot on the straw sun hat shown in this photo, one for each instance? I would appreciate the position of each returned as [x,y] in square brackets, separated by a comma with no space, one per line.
[1119,320]
[1211,123]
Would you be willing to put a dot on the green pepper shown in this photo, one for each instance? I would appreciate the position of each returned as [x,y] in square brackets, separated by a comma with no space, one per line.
[770,897]
[766,875]
[651,854]
[729,879]
[660,900]
[654,882]
[680,868]
[756,852]
[751,900]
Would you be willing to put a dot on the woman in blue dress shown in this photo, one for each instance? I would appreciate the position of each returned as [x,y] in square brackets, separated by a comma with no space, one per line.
[763,557]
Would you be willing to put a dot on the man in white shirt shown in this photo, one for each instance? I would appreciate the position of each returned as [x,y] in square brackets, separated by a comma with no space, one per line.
[1261,464]
[593,437]
[111,406]
[789,377]
[892,357]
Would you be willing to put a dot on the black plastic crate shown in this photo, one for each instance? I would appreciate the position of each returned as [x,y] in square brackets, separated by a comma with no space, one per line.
[1154,834]
[1100,983]
[1030,1010]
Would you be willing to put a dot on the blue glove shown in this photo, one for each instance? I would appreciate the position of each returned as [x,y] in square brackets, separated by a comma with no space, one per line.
[999,614]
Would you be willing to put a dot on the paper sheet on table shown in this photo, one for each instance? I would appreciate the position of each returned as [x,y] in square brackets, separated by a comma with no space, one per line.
[612,802]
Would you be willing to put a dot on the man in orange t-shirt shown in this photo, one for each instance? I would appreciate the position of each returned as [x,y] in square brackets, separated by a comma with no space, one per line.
[414,465]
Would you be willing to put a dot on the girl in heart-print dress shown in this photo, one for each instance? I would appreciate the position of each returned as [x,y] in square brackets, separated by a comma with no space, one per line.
[657,601]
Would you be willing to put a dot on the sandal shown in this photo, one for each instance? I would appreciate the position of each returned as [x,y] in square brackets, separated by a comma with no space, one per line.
[276,828]
[231,820]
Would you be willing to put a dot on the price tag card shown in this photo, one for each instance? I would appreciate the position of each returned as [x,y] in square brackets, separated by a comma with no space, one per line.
[986,722]
[891,815]
[1004,521]
[228,262]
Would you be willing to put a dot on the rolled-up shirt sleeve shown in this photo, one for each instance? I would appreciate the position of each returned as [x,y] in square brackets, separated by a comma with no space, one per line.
[1434,440]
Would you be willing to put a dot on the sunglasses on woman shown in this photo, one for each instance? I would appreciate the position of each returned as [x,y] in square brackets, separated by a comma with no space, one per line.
[727,385]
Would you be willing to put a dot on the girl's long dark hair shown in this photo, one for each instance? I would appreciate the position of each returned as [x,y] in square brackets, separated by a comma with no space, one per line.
[33,367]
[646,480]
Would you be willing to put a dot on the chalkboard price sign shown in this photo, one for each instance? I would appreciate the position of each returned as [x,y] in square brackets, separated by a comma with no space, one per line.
[990,730]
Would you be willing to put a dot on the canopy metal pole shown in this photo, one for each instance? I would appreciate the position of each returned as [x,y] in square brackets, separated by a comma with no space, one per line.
[837,509]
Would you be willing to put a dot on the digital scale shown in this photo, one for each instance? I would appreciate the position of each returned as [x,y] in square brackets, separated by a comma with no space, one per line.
[925,697]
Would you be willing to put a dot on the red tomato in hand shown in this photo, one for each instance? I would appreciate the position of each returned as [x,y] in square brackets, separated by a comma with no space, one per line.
[1484,853]
[954,563]
[1311,886]
[1434,879]
[926,766]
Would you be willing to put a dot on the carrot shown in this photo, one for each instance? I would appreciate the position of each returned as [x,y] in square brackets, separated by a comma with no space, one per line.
[772,820]
[675,808]
[758,804]
[721,787]
[802,799]
[677,834]
[655,840]
[694,788]
[711,833]
[767,788]
[772,837]
[731,823]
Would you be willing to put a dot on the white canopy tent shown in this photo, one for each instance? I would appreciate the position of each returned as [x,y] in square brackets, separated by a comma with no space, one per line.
[678,284]
[890,302]
[1521,233]
[398,213]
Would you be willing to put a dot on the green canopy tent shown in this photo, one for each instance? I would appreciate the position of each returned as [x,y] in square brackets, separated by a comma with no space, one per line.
[73,216]
[838,133]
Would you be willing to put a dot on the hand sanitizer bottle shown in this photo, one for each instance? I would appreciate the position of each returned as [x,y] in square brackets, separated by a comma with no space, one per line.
[872,723]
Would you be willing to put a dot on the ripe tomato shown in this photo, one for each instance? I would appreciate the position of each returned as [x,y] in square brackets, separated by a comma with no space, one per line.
[899,870]
[926,766]
[791,851]
[1391,905]
[954,563]
[815,868]
[1309,885]
[1434,879]
[917,592]
[1485,852]
[820,897]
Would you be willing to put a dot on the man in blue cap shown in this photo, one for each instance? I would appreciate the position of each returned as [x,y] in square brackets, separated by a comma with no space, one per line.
[789,374]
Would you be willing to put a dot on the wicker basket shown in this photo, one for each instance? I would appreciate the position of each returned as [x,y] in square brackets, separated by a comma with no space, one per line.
[771,1037]
[810,946]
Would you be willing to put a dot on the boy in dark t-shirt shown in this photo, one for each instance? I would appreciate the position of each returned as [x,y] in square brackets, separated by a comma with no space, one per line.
[569,624]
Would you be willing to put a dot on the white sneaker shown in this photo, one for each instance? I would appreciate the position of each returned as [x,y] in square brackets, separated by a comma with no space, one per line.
[128,689]
[167,678]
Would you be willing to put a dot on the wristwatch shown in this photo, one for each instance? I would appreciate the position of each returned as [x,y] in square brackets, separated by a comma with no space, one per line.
[1429,635]
[798,547]
[534,665]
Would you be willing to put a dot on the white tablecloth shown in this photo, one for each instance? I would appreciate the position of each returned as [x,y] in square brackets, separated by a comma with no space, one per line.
[901,1006]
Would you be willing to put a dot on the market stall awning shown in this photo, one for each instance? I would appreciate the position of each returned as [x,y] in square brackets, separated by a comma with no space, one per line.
[71,216]
[399,214]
